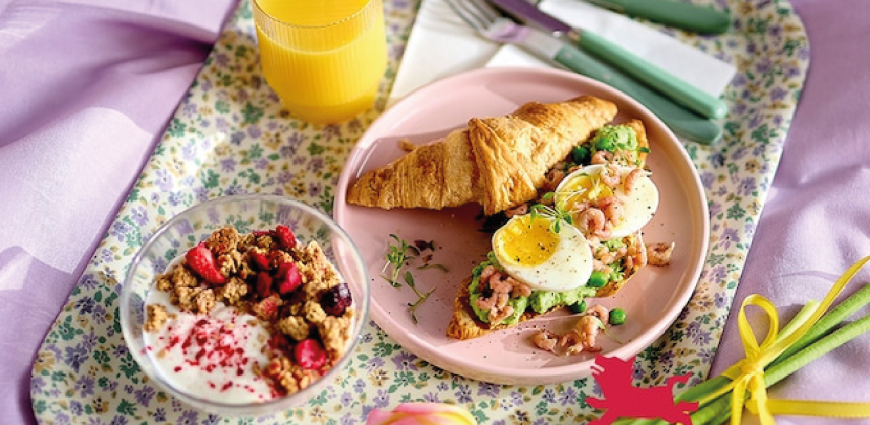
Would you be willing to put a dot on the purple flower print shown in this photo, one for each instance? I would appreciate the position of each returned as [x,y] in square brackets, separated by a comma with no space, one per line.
[698,335]
[382,400]
[728,236]
[485,389]
[212,419]
[568,396]
[139,215]
[175,198]
[747,186]
[120,351]
[99,314]
[84,385]
[228,164]
[254,132]
[431,397]
[61,417]
[37,384]
[75,356]
[88,281]
[315,189]
[120,229]
[316,164]
[119,420]
[463,394]
[188,417]
[144,395]
[163,179]
[404,361]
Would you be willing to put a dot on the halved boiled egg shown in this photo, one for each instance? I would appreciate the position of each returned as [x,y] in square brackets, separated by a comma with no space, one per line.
[608,200]
[546,257]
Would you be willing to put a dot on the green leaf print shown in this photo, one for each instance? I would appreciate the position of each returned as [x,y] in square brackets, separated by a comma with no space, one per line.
[176,128]
[126,408]
[251,114]
[210,179]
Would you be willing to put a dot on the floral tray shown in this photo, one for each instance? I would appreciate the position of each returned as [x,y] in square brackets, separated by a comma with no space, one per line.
[229,136]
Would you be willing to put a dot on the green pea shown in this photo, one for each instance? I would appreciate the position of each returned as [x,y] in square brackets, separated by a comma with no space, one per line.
[578,307]
[580,155]
[598,279]
[616,317]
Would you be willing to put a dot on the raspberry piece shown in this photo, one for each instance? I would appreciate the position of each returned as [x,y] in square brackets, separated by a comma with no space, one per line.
[264,284]
[286,238]
[201,261]
[309,354]
[260,260]
[289,278]
[336,300]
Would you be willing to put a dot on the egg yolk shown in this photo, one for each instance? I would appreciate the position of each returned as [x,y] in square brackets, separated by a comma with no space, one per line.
[527,241]
[583,188]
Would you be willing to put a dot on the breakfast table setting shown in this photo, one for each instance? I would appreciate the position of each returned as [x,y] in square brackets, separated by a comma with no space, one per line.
[119,115]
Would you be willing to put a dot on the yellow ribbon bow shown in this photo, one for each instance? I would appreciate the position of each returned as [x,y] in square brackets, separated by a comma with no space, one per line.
[747,375]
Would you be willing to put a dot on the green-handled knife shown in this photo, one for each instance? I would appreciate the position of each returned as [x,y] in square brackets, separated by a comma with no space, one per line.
[683,122]
[678,14]
[655,77]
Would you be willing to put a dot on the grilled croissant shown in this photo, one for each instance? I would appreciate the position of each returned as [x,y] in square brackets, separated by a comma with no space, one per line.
[497,162]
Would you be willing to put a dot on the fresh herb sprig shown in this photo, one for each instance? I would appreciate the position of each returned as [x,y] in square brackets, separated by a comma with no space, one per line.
[557,215]
[400,255]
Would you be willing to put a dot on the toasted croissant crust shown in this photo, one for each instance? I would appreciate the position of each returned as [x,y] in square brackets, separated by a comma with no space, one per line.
[497,162]
[464,323]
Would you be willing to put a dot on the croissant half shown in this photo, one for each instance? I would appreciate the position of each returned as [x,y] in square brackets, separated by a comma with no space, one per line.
[497,162]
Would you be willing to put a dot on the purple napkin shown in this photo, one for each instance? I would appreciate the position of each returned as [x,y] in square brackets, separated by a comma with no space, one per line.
[86,89]
[816,222]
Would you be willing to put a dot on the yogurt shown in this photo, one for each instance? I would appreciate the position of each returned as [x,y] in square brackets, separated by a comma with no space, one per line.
[211,356]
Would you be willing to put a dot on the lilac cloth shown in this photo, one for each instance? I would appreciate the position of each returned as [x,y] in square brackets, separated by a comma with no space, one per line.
[86,89]
[816,221]
[87,86]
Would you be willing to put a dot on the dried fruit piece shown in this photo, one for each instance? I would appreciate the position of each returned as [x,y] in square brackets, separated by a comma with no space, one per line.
[336,300]
[286,238]
[289,278]
[264,284]
[201,261]
[309,354]
[267,308]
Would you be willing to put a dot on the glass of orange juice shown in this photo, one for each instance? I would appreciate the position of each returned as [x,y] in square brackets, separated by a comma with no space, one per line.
[324,58]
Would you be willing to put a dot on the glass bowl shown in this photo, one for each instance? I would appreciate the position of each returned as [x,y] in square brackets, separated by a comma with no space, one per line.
[246,213]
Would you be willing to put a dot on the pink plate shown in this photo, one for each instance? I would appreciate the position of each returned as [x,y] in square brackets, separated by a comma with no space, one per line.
[652,299]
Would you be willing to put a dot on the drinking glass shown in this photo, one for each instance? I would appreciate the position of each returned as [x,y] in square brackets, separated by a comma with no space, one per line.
[324,58]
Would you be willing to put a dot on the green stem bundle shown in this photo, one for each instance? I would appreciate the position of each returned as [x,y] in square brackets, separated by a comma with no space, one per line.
[818,341]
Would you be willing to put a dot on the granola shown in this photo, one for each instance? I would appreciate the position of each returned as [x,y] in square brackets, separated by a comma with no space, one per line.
[292,289]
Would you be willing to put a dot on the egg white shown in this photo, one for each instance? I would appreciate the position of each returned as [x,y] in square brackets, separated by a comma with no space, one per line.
[563,267]
[639,206]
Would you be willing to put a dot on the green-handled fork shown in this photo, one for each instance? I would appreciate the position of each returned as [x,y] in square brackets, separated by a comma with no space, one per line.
[489,23]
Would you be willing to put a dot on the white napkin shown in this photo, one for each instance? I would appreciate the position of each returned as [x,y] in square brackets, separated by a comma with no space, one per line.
[441,44]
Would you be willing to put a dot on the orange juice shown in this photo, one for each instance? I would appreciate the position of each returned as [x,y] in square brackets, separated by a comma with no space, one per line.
[324,58]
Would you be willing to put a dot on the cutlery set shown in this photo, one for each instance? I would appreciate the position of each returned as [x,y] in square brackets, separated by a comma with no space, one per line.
[690,112]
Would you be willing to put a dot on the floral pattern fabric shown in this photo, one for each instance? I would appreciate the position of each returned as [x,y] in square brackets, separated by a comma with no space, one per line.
[230,136]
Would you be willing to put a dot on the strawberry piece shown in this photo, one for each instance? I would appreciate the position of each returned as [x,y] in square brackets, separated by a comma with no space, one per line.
[264,284]
[286,238]
[309,354]
[289,278]
[202,262]
[260,260]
